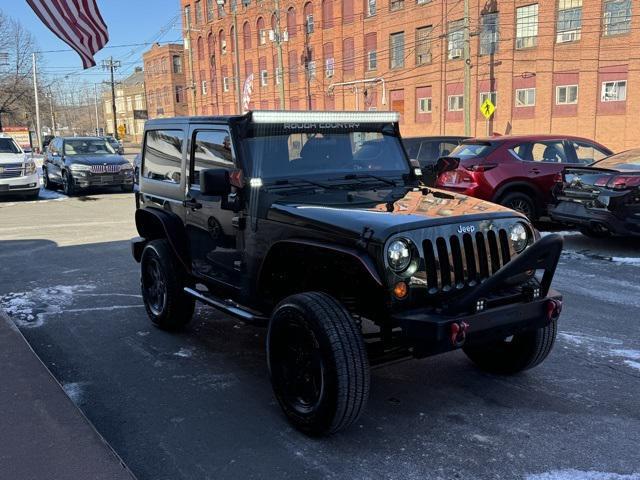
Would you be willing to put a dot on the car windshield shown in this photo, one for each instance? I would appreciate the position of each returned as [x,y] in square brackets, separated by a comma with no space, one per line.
[328,154]
[8,145]
[471,150]
[87,146]
[629,160]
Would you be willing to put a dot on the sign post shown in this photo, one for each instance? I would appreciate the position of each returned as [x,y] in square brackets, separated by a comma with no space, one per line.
[487,109]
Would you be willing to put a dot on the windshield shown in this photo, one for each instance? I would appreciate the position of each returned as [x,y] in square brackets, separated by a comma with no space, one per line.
[299,154]
[8,145]
[629,160]
[470,150]
[88,146]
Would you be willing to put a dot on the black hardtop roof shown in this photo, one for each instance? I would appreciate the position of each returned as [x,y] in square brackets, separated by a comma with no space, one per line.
[194,119]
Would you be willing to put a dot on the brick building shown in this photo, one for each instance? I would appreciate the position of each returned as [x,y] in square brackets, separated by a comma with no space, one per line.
[164,77]
[561,66]
[131,107]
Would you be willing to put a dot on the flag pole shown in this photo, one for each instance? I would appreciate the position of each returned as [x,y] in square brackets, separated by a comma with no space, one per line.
[35,94]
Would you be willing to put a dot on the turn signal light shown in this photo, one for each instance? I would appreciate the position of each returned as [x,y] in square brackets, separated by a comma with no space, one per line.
[400,290]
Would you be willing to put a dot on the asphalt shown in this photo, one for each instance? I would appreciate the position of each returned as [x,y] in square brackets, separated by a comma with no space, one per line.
[198,404]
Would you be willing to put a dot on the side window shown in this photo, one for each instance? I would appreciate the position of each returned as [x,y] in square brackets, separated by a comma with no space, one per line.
[587,153]
[162,158]
[523,151]
[446,148]
[548,152]
[412,147]
[211,149]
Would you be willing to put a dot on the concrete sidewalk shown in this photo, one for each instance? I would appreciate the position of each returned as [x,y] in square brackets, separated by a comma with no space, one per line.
[43,435]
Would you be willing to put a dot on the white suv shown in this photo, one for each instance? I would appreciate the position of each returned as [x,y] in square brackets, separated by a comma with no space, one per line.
[18,171]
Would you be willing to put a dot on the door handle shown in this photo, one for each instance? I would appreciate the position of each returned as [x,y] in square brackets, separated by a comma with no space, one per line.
[534,170]
[192,203]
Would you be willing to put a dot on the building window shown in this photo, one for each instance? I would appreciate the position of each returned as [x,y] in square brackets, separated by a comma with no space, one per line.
[371,8]
[278,76]
[455,103]
[527,26]
[309,23]
[176,61]
[311,69]
[262,33]
[525,97]
[291,22]
[455,39]
[617,17]
[489,34]
[187,15]
[493,96]
[424,105]
[327,13]
[615,91]
[423,45]
[396,5]
[569,21]
[348,63]
[138,102]
[225,84]
[179,94]
[210,10]
[198,8]
[264,78]
[328,67]
[372,60]
[129,104]
[221,12]
[396,48]
[422,2]
[566,94]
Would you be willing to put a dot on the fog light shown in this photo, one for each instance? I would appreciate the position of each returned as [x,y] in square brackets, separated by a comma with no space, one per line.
[400,290]
[481,305]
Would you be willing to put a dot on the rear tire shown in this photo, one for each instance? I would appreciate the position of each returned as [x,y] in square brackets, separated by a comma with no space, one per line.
[520,202]
[162,282]
[524,351]
[318,363]
[46,183]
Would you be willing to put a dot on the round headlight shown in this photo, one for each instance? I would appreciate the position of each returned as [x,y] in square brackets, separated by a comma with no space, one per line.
[519,236]
[399,255]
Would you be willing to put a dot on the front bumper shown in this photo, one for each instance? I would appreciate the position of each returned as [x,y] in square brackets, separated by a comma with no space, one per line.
[87,179]
[578,214]
[24,185]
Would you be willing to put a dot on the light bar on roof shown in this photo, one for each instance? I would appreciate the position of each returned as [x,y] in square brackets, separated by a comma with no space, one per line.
[282,116]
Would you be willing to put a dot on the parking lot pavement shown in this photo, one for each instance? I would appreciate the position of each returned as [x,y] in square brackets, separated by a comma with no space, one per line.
[199,405]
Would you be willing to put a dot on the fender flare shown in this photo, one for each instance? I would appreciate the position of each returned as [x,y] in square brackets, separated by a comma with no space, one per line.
[361,257]
[153,223]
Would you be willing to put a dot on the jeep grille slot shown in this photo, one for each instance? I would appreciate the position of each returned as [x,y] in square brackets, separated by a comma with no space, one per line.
[457,261]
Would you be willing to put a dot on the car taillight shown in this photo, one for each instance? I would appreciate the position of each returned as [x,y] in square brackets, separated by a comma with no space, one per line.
[482,167]
[558,178]
[455,177]
[602,181]
[622,182]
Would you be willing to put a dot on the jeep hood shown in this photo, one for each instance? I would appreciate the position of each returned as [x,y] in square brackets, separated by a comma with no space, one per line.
[416,209]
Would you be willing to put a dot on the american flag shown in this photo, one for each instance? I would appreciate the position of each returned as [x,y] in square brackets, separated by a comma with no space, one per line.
[78,23]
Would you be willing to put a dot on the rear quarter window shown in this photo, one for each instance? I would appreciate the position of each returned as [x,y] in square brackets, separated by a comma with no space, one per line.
[162,159]
[472,150]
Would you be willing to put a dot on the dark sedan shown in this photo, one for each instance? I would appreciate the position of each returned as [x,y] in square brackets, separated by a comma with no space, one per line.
[82,162]
[603,198]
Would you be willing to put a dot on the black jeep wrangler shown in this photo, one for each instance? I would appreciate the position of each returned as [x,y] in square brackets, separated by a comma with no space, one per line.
[317,225]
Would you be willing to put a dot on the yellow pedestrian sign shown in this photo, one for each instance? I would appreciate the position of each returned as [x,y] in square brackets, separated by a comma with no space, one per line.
[487,108]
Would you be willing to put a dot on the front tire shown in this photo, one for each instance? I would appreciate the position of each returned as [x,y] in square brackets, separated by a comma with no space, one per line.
[46,183]
[524,351]
[162,284]
[68,186]
[318,363]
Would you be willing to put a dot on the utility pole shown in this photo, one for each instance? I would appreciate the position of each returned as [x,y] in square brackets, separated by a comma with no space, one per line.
[111,65]
[95,101]
[278,38]
[467,70]
[187,46]
[53,117]
[35,94]
[236,51]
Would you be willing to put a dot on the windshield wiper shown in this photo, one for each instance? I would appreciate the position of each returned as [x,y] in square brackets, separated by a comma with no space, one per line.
[360,176]
[299,182]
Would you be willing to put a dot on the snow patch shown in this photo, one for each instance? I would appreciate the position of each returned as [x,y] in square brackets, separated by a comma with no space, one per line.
[626,260]
[564,233]
[74,391]
[581,475]
[632,364]
[30,309]
[184,353]
[603,347]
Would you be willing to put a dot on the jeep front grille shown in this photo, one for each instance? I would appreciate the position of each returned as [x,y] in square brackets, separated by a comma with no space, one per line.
[464,260]
[11,170]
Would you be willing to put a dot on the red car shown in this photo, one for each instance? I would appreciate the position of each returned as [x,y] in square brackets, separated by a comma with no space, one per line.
[518,172]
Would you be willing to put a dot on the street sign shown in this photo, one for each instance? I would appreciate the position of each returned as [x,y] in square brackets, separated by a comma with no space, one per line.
[487,108]
[121,130]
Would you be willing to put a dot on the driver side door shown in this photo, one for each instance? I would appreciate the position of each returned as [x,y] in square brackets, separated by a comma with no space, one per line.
[211,231]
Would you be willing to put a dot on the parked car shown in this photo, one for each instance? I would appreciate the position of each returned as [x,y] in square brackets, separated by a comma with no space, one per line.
[116,144]
[518,172]
[76,163]
[603,198]
[317,225]
[18,171]
[427,150]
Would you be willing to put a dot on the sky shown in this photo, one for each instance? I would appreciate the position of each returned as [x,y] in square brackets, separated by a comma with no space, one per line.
[129,22]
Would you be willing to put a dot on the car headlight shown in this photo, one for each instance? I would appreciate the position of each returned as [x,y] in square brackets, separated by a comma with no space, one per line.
[126,166]
[30,167]
[78,167]
[519,236]
[399,255]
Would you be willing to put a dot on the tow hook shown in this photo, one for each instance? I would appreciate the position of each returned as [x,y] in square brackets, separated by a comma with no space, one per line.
[458,333]
[554,308]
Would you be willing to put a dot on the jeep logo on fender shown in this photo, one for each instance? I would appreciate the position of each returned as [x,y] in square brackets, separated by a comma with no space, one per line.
[466,229]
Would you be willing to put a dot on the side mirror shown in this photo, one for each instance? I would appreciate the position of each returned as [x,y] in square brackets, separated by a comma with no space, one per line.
[446,164]
[215,182]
